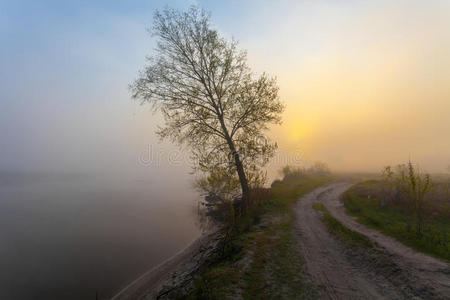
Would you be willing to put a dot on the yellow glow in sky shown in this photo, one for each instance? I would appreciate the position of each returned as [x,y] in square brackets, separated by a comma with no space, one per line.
[365,85]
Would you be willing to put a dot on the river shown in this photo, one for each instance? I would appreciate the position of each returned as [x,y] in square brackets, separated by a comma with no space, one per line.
[74,236]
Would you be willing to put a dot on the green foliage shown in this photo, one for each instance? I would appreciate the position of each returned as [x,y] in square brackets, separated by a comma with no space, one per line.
[277,199]
[219,183]
[286,192]
[397,221]
[296,173]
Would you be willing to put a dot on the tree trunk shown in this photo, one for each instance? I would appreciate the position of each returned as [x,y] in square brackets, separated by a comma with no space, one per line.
[239,166]
[241,174]
[242,178]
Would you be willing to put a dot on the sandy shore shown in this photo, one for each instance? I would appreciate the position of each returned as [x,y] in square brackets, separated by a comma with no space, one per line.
[149,285]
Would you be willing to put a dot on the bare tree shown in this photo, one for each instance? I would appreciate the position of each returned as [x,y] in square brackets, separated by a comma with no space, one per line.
[209,97]
[409,183]
[419,186]
[389,186]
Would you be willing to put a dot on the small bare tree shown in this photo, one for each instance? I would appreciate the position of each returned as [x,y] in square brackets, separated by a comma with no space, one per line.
[389,187]
[419,186]
[208,96]
[414,186]
[408,183]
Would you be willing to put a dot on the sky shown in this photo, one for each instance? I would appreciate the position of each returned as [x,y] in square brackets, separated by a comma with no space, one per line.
[365,83]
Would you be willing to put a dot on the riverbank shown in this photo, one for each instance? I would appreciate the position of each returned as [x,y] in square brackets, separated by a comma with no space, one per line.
[262,259]
[175,276]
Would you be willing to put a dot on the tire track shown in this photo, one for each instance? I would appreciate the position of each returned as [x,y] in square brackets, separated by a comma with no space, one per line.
[426,276]
[348,273]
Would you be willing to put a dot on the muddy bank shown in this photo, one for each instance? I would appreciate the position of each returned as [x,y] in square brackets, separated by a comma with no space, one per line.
[175,276]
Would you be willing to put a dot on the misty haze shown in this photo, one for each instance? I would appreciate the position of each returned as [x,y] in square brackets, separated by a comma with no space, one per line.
[70,236]
[222,150]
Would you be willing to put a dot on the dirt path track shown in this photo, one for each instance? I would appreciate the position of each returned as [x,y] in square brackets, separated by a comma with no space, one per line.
[391,272]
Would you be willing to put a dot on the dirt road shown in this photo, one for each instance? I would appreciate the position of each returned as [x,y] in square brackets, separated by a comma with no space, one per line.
[391,271]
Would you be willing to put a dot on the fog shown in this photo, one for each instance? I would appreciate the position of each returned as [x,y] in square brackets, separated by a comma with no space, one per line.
[72,236]
[365,84]
[89,197]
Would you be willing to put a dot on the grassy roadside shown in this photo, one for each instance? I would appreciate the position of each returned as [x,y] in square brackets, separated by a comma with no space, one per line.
[265,263]
[339,231]
[375,263]
[362,201]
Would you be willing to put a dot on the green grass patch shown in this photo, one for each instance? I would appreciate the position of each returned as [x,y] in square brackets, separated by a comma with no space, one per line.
[319,206]
[276,267]
[285,193]
[265,262]
[338,230]
[341,232]
[362,201]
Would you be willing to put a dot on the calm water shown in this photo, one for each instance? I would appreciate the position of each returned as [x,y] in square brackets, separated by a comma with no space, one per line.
[68,237]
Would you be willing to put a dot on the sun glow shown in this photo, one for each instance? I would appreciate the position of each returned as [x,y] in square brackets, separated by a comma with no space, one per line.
[361,92]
